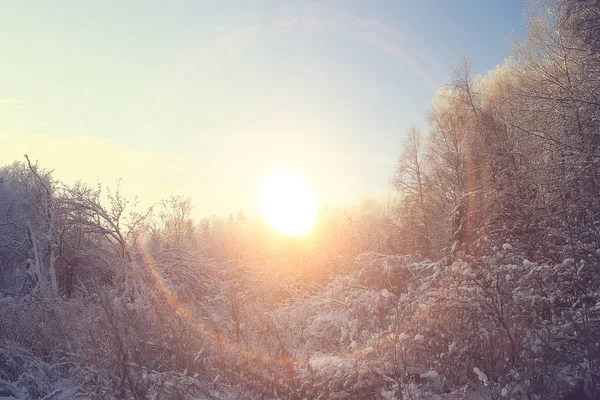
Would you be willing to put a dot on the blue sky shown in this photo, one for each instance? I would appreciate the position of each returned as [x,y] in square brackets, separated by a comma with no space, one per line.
[203,98]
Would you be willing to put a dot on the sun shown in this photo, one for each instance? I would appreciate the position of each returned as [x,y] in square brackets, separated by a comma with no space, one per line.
[288,203]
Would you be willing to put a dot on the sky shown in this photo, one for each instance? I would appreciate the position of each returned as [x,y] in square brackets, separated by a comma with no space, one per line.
[204,98]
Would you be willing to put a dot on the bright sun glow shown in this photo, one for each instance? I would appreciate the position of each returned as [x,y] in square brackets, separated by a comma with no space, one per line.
[288,203]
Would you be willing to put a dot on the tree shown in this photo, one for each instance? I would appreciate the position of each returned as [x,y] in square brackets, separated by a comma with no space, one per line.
[13,238]
[178,226]
[110,219]
[240,216]
[410,180]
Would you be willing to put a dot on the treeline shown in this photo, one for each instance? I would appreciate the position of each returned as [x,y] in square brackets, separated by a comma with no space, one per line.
[503,187]
[513,155]
[57,238]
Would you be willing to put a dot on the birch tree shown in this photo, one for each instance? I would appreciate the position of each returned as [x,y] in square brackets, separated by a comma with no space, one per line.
[410,180]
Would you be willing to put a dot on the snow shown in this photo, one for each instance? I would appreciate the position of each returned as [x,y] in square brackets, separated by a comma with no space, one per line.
[568,262]
[328,363]
[482,377]
[430,375]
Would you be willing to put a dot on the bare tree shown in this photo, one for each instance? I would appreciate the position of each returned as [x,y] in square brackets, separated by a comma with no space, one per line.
[410,180]
[178,226]
[109,217]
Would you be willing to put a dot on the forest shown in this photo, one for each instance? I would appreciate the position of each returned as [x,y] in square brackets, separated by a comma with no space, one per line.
[478,279]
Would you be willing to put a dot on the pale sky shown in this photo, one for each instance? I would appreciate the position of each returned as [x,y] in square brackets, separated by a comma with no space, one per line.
[203,98]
